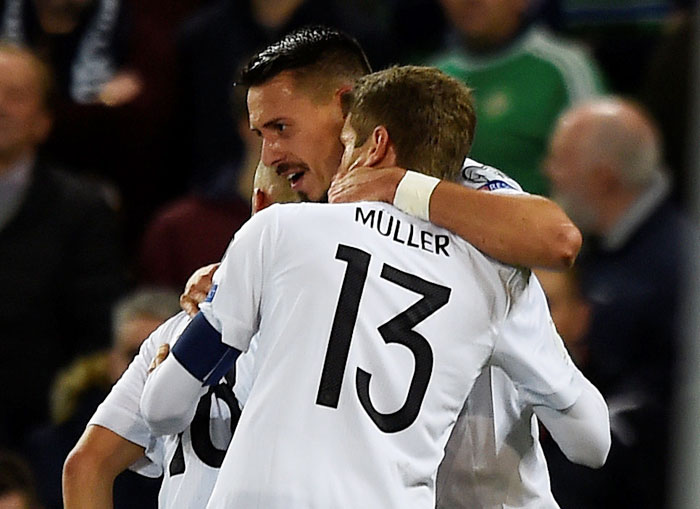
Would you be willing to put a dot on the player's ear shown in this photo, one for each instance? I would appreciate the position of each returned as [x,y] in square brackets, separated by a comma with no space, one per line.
[380,146]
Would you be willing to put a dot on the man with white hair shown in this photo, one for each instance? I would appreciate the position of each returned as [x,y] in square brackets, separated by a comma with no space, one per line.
[606,170]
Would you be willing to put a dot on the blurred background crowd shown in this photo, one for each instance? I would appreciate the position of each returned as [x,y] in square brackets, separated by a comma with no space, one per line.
[128,163]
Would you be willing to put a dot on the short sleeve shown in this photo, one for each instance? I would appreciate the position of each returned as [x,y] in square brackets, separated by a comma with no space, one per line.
[232,306]
[119,412]
[486,178]
[532,353]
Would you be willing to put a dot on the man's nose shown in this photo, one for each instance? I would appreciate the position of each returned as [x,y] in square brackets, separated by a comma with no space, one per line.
[270,152]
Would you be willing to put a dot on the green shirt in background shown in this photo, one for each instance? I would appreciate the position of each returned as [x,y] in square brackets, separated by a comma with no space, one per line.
[519,93]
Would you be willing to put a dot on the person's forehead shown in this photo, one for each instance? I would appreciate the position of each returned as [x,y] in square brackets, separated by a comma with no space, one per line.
[279,94]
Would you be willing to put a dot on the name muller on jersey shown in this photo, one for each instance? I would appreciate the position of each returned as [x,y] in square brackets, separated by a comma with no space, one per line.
[390,226]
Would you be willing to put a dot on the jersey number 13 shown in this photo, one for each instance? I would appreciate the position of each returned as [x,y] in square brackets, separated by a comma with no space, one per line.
[397,330]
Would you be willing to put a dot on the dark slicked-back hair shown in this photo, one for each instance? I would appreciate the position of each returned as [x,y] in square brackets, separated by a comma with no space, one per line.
[321,59]
[428,114]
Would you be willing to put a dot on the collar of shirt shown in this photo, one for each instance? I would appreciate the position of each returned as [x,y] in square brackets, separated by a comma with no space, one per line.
[13,186]
[637,213]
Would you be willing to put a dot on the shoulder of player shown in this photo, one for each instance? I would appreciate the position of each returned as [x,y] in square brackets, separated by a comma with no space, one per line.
[168,331]
[296,216]
[481,176]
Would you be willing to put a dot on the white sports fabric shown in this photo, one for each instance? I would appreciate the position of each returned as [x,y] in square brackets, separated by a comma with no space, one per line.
[290,451]
[189,468]
[493,458]
[487,178]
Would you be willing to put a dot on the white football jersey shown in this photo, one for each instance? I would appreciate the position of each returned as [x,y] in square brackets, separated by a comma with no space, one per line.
[189,461]
[493,458]
[487,178]
[373,326]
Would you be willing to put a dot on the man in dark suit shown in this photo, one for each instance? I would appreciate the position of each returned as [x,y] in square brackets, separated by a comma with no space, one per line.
[606,169]
[60,263]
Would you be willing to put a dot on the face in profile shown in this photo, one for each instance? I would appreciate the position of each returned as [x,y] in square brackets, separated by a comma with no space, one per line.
[300,135]
[568,171]
[128,341]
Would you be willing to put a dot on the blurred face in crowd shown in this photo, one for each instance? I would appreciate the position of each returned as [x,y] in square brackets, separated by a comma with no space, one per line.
[24,120]
[300,133]
[128,340]
[571,176]
[13,500]
[485,22]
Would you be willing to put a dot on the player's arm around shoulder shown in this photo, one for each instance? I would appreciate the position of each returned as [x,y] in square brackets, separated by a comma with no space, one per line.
[582,431]
[515,228]
[531,352]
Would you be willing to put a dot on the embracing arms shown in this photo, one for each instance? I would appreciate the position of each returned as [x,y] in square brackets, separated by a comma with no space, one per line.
[517,229]
[581,431]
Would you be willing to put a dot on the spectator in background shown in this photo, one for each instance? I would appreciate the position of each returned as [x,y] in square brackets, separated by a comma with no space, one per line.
[111,122]
[16,484]
[79,389]
[84,40]
[522,77]
[60,268]
[194,230]
[605,165]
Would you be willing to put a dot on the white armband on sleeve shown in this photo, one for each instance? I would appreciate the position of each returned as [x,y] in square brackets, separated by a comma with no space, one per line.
[413,194]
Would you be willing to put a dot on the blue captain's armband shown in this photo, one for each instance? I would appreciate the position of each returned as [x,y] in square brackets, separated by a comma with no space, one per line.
[201,352]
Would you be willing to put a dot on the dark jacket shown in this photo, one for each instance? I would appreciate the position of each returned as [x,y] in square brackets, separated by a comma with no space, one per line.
[60,272]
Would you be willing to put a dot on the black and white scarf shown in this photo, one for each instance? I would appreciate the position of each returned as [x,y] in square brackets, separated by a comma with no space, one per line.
[93,64]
